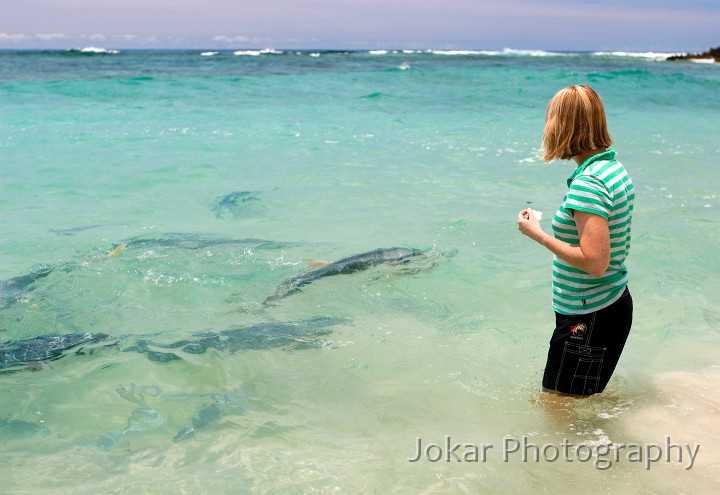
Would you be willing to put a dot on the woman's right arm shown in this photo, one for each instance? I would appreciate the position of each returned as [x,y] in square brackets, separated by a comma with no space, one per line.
[591,256]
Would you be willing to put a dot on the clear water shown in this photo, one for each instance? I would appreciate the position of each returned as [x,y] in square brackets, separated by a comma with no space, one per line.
[334,155]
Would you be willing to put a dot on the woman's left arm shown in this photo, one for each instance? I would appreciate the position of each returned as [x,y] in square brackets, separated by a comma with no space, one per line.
[594,242]
[593,253]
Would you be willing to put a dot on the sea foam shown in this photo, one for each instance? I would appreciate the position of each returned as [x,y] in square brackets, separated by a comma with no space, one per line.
[95,49]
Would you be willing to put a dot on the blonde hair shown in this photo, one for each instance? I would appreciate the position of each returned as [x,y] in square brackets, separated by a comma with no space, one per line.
[574,123]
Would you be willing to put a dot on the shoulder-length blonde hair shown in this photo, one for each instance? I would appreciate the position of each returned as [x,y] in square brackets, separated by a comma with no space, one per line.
[574,123]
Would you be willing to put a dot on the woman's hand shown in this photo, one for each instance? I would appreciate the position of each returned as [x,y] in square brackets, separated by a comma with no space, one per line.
[529,224]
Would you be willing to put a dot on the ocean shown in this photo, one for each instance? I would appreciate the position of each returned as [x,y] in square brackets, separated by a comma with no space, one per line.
[214,177]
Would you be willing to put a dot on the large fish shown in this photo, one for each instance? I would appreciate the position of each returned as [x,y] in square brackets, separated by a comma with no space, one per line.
[350,264]
[176,240]
[303,334]
[13,289]
[20,354]
[16,355]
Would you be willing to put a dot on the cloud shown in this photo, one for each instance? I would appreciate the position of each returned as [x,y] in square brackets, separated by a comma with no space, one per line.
[65,40]
[125,37]
[50,36]
[13,37]
[230,39]
[553,24]
[17,37]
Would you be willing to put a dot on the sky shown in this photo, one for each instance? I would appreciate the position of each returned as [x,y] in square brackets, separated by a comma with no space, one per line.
[612,25]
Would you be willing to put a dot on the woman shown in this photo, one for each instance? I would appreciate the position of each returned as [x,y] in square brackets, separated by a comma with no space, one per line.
[593,306]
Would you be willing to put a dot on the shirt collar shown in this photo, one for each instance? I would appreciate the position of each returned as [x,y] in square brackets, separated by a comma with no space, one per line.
[605,155]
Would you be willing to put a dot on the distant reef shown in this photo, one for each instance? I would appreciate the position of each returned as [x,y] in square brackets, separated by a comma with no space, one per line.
[713,53]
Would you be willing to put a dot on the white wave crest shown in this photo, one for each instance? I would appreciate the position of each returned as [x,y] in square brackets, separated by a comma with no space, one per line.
[95,49]
[703,60]
[461,52]
[647,55]
[504,52]
[257,53]
[209,54]
[533,53]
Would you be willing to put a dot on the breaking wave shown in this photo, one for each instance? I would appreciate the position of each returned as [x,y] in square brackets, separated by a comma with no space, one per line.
[94,50]
[646,55]
[257,53]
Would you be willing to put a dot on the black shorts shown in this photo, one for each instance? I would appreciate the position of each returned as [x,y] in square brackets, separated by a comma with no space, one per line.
[584,349]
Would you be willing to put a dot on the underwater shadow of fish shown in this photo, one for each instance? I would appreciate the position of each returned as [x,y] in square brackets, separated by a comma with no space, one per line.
[350,264]
[236,204]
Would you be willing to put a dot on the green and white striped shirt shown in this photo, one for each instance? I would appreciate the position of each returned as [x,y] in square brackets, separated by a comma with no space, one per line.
[601,186]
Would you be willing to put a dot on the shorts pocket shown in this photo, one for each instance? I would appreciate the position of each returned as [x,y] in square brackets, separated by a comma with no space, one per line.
[580,369]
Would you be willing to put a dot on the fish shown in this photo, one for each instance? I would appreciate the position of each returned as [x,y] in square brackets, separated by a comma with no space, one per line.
[206,415]
[234,204]
[13,289]
[16,355]
[303,334]
[74,230]
[178,240]
[142,419]
[146,418]
[350,264]
[119,249]
[231,402]
[23,354]
[16,429]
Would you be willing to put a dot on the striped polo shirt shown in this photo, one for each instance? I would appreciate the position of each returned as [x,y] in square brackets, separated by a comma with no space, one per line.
[601,186]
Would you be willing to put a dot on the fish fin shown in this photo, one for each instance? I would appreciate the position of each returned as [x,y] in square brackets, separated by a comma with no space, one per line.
[317,264]
[34,366]
[117,250]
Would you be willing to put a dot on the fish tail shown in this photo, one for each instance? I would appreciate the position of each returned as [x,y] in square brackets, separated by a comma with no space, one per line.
[119,249]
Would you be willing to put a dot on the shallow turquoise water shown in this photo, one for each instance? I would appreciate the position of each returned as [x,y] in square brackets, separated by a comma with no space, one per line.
[334,155]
